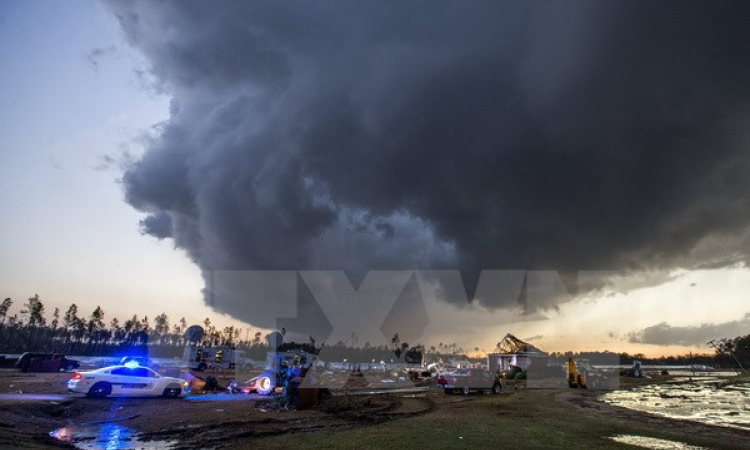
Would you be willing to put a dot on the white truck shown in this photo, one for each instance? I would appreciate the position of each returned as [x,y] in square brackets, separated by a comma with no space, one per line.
[213,358]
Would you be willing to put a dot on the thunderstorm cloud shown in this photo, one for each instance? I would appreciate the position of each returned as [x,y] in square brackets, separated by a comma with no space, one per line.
[564,136]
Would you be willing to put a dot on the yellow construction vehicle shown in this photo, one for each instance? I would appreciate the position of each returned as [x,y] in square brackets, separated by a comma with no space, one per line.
[580,373]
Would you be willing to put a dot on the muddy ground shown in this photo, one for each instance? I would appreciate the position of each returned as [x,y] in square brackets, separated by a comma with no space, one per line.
[225,421]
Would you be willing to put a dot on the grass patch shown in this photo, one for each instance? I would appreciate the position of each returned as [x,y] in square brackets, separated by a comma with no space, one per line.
[530,419]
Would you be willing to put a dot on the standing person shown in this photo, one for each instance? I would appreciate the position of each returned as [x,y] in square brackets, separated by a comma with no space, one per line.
[293,379]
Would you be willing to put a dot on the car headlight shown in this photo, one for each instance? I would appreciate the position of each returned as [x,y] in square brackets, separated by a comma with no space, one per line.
[185,384]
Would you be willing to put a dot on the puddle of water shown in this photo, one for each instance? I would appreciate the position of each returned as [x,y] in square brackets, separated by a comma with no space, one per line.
[653,443]
[704,400]
[109,436]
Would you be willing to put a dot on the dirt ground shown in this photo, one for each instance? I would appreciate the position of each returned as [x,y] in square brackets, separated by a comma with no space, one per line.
[239,421]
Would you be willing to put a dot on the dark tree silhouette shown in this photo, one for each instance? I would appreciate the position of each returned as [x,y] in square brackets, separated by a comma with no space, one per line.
[35,310]
[4,307]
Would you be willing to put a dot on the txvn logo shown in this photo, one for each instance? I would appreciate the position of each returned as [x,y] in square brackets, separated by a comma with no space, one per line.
[267,298]
[383,301]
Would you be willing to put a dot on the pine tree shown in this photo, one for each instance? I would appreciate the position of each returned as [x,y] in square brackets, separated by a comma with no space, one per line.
[55,319]
[35,309]
[132,325]
[96,320]
[71,317]
[145,326]
[4,307]
[161,324]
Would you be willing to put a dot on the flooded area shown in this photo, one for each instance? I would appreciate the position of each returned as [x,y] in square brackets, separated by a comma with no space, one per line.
[713,400]
[653,443]
[109,436]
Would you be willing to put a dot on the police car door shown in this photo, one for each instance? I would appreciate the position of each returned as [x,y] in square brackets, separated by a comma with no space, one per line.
[143,381]
[132,382]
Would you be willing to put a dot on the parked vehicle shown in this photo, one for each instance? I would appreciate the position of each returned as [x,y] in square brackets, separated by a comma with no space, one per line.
[465,381]
[127,381]
[45,362]
[581,374]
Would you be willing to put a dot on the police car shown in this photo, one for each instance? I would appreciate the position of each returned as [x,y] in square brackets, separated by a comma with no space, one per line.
[129,380]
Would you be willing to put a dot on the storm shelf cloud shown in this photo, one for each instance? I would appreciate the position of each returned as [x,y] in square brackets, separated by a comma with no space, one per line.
[357,136]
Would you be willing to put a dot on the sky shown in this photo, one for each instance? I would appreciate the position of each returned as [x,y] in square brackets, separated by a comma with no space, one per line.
[69,116]
[355,170]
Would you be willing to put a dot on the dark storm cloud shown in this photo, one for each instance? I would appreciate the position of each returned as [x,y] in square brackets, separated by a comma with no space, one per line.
[577,135]
[158,225]
[664,334]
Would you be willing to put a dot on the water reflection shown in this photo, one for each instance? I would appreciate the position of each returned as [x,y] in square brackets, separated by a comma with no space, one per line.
[653,443]
[706,400]
[109,436]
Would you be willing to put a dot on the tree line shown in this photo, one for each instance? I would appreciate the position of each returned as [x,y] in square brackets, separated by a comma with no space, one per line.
[74,333]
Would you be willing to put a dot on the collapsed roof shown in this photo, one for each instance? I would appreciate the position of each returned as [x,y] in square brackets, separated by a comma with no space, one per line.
[511,344]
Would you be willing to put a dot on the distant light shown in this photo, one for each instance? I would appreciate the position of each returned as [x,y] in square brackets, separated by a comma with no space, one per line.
[131,364]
